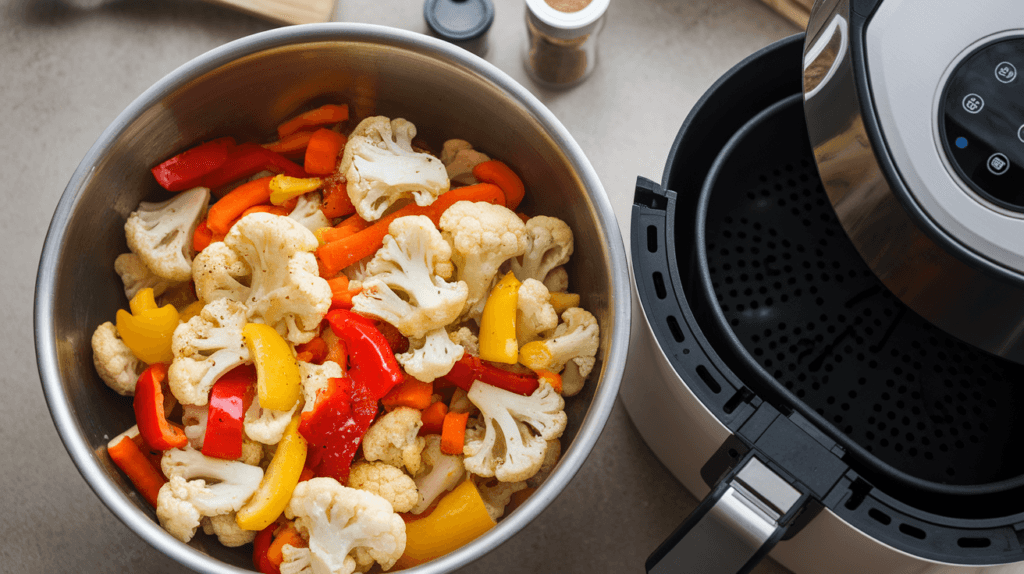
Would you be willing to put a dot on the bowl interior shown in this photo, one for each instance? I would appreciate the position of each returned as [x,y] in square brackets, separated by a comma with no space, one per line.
[245,90]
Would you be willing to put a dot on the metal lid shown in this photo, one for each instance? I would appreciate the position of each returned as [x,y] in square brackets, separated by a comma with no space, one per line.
[458,20]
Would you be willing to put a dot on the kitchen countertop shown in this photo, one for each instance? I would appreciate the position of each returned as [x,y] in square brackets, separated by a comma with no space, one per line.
[68,71]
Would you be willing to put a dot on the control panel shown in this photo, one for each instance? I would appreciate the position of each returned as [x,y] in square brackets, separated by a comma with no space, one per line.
[981,122]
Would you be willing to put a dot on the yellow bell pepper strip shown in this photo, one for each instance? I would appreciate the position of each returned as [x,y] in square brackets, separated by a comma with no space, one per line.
[275,490]
[148,404]
[460,517]
[563,301]
[498,322]
[190,310]
[147,329]
[283,187]
[278,384]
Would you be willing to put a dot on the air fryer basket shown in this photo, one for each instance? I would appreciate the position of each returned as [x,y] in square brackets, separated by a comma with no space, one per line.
[769,315]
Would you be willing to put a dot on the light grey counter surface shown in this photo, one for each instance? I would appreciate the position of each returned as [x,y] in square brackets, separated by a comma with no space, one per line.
[67,72]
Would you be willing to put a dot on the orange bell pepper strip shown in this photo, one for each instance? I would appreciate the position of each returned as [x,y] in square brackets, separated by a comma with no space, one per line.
[133,463]
[460,518]
[339,254]
[411,392]
[260,546]
[322,152]
[433,418]
[288,535]
[322,116]
[499,174]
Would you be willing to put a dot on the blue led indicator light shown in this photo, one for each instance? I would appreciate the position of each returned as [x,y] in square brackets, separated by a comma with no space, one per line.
[961,142]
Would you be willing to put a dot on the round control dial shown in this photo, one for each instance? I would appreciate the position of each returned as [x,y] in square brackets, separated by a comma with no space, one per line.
[981,122]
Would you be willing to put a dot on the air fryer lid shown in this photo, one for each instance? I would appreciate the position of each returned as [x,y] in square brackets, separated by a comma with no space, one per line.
[765,310]
[915,112]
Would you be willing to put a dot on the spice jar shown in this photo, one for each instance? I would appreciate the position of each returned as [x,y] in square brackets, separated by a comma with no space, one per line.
[561,39]
[462,22]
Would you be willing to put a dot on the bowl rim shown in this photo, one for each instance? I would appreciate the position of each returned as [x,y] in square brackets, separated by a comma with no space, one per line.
[64,419]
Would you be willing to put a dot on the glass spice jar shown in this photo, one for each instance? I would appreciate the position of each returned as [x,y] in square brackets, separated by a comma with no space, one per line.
[561,39]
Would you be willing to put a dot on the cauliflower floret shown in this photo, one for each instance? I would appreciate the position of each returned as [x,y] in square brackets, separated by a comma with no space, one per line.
[405,283]
[267,426]
[496,495]
[307,212]
[205,348]
[549,244]
[219,273]
[467,339]
[194,419]
[161,233]
[534,314]
[551,458]
[431,357]
[115,363]
[201,486]
[385,481]
[266,262]
[482,236]
[381,167]
[227,530]
[574,375]
[136,276]
[557,280]
[343,525]
[314,379]
[442,472]
[393,439]
[524,423]
[575,340]
[459,159]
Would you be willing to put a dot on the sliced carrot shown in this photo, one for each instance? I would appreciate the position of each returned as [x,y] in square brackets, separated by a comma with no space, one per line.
[322,151]
[336,202]
[350,226]
[230,207]
[409,393]
[287,535]
[501,175]
[433,418]
[553,379]
[337,255]
[291,144]
[322,116]
[133,462]
[341,294]
[453,432]
[272,209]
[202,237]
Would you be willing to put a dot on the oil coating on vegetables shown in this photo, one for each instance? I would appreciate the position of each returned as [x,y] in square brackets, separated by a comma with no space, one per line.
[368,343]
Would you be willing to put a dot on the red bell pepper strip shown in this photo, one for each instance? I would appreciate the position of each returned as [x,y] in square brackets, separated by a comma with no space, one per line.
[260,546]
[247,159]
[336,425]
[133,462]
[372,363]
[230,398]
[188,168]
[433,418]
[149,410]
[470,368]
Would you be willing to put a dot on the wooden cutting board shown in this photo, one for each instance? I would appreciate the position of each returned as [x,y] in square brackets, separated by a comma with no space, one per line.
[796,11]
[284,11]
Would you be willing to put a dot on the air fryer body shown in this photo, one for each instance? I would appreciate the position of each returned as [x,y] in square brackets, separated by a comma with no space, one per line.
[704,397]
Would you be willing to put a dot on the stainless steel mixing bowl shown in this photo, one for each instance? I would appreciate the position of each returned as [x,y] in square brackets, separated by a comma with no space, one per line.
[245,89]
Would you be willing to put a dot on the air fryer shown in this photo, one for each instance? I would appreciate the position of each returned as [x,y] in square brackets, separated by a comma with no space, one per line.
[826,420]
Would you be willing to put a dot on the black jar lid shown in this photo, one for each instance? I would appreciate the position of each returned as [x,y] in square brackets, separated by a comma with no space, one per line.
[458,20]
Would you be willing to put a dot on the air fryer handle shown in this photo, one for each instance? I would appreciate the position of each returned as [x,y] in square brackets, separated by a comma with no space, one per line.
[734,527]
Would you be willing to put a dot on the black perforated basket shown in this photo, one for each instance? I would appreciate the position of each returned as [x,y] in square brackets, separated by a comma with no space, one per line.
[767,311]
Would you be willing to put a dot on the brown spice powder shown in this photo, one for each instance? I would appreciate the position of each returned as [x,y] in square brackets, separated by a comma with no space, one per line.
[568,6]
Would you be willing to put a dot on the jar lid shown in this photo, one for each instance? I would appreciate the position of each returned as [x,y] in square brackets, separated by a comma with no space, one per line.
[589,14]
[458,20]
